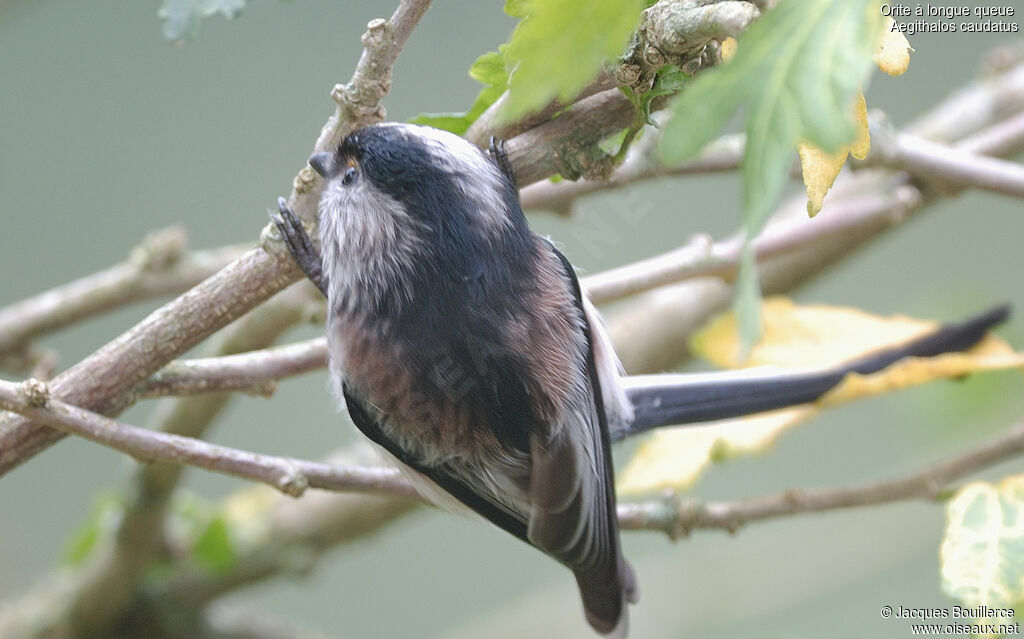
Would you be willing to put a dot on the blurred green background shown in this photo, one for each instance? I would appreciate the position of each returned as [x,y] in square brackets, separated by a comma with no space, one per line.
[106,133]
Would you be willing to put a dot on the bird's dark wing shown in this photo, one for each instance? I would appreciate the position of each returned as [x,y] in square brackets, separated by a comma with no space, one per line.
[572,495]
[571,512]
[492,511]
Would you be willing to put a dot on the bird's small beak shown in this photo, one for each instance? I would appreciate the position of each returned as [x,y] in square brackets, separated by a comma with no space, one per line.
[320,162]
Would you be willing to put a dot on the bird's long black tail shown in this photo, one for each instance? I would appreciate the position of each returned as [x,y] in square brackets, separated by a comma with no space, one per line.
[661,400]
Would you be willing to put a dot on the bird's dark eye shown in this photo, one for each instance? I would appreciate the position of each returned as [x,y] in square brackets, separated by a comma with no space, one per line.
[351,175]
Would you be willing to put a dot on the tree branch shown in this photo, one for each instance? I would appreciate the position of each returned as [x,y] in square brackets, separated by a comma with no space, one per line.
[253,372]
[109,580]
[682,33]
[702,258]
[359,100]
[999,140]
[673,516]
[946,165]
[566,145]
[103,382]
[676,516]
[159,265]
[642,163]
[965,165]
[291,476]
[976,106]
[490,123]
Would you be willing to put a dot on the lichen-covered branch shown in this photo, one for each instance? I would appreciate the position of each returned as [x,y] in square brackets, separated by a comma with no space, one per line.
[683,33]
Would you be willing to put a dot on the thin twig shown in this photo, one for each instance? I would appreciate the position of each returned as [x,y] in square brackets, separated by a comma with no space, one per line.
[641,164]
[945,165]
[252,372]
[999,140]
[290,476]
[973,107]
[673,516]
[160,265]
[702,258]
[677,516]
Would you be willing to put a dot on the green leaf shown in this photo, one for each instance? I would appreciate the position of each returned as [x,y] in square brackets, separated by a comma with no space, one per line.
[559,47]
[457,123]
[516,8]
[213,549]
[747,301]
[181,18]
[983,549]
[667,81]
[797,70]
[105,514]
[490,71]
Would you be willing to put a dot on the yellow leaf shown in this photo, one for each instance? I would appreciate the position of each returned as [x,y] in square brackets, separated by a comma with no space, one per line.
[982,552]
[803,338]
[810,336]
[893,54]
[915,371]
[820,168]
[862,143]
[673,458]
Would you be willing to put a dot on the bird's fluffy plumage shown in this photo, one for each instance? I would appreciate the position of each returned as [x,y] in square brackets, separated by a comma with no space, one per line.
[463,347]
